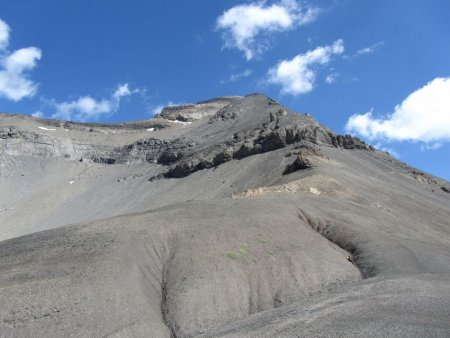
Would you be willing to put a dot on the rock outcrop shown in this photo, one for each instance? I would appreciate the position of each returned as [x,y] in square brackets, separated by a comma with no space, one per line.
[192,112]
[184,155]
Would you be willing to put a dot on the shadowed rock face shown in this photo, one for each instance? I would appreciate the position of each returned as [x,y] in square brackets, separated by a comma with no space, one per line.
[233,217]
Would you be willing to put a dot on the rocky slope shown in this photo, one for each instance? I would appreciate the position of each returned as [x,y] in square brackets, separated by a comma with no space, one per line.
[230,217]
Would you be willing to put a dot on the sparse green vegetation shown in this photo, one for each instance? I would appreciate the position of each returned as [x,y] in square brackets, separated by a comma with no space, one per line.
[233,255]
[243,251]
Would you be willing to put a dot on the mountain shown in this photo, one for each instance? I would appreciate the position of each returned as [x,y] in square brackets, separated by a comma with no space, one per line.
[233,217]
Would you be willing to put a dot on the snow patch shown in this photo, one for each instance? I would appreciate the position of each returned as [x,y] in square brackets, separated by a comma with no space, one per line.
[180,122]
[314,191]
[48,129]
[150,129]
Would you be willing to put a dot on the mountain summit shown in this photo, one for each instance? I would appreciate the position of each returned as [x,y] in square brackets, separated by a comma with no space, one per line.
[233,217]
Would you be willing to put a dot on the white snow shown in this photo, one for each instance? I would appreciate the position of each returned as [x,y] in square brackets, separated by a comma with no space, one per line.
[180,122]
[71,182]
[150,129]
[49,129]
[314,191]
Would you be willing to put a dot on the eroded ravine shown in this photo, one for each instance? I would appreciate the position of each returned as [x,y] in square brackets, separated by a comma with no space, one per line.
[339,237]
[250,267]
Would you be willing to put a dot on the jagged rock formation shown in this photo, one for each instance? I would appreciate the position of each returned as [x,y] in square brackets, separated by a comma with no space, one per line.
[187,154]
[233,217]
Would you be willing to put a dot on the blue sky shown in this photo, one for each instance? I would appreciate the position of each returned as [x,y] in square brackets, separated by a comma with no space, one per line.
[378,69]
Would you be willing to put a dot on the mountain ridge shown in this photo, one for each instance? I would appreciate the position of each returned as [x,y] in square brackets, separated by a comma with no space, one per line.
[250,221]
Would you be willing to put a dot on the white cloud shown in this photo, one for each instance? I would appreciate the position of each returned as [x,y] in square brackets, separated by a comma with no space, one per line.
[237,76]
[365,51]
[391,151]
[423,116]
[370,49]
[122,91]
[158,108]
[431,146]
[244,24]
[298,75]
[38,114]
[331,78]
[4,34]
[86,108]
[14,79]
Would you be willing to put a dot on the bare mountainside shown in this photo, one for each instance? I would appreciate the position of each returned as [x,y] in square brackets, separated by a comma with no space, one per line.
[233,217]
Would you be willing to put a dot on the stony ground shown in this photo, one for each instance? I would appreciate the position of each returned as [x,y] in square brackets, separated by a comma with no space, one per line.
[231,218]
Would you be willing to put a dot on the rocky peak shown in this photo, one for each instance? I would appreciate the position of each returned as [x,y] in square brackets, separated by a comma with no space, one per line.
[209,134]
[190,112]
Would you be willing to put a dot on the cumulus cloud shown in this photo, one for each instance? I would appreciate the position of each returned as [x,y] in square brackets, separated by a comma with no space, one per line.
[14,67]
[247,26]
[86,108]
[298,75]
[423,116]
[237,76]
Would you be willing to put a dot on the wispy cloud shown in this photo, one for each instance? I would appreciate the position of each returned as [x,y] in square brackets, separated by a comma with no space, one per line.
[371,49]
[4,34]
[389,150]
[15,84]
[38,114]
[431,146]
[424,116]
[246,27]
[86,108]
[158,108]
[237,76]
[331,78]
[366,50]
[298,75]
[199,38]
